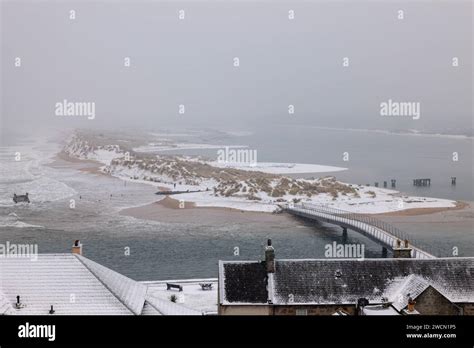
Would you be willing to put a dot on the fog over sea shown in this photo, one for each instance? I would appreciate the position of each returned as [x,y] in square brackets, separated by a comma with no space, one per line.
[191,249]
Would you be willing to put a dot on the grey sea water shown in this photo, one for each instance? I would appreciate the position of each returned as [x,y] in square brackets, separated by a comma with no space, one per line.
[190,249]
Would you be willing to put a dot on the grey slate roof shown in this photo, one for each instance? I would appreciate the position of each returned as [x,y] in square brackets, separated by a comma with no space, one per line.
[244,281]
[344,281]
[411,286]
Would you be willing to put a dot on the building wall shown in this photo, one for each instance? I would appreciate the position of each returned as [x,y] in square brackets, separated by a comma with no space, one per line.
[284,310]
[314,310]
[244,310]
[468,308]
[431,302]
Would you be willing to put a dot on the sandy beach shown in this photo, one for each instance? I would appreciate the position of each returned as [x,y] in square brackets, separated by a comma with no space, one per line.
[448,217]
[168,210]
[88,166]
[426,211]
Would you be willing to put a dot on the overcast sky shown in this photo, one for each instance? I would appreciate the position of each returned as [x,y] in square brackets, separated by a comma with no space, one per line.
[282,62]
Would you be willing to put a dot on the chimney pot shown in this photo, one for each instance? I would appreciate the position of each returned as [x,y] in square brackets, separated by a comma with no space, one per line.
[18,304]
[77,247]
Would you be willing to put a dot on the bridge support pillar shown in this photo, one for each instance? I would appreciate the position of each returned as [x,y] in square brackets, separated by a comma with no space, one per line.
[384,252]
[344,234]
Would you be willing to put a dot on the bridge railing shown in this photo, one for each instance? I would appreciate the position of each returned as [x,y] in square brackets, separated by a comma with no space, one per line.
[358,219]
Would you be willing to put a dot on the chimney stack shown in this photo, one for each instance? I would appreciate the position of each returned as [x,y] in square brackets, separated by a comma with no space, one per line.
[270,257]
[410,310]
[411,305]
[77,247]
[402,252]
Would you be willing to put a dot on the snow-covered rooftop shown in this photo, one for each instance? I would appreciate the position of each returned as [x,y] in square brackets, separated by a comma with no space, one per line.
[75,285]
[60,280]
[5,305]
[193,298]
[131,293]
[166,307]
[379,310]
[404,287]
[338,281]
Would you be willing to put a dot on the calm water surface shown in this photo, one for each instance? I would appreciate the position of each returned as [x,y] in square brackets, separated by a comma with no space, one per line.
[192,249]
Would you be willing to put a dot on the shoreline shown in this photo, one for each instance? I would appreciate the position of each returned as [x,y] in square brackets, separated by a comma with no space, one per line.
[167,210]
[88,166]
[91,167]
[149,211]
[460,205]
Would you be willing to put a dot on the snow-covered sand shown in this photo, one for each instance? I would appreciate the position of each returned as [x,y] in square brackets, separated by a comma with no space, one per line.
[370,200]
[279,168]
[385,201]
[162,147]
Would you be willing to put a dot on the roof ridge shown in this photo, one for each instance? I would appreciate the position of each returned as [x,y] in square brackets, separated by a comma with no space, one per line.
[406,281]
[102,282]
[5,305]
[153,306]
[270,288]
[190,280]
[358,260]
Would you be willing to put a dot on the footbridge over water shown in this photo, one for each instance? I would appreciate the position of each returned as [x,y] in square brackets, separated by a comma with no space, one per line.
[379,231]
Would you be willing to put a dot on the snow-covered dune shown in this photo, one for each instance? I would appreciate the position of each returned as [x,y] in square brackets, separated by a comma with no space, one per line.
[279,168]
[256,187]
